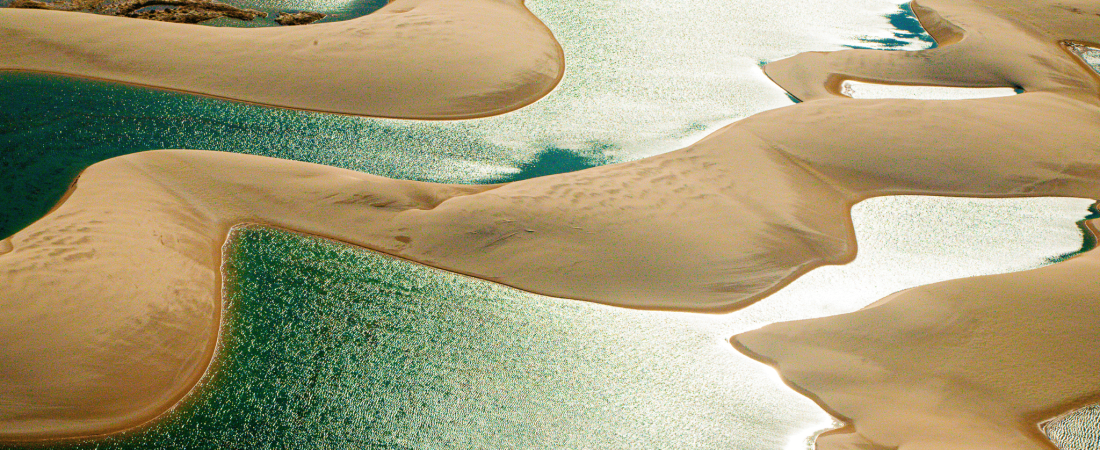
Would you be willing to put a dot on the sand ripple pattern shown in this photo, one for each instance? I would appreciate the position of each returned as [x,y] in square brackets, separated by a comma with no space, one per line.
[131,259]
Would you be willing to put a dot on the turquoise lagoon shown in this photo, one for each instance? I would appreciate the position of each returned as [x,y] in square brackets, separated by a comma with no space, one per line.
[329,346]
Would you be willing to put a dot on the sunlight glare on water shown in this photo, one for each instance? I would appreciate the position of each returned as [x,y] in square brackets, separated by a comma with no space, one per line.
[328,346]
[857,89]
[646,76]
[1077,430]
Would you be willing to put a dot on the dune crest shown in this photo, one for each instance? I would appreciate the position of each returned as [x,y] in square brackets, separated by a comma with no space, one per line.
[982,43]
[462,59]
[709,228]
[975,363]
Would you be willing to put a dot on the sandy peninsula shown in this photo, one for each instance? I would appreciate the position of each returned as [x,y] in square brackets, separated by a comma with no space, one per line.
[421,59]
[709,228]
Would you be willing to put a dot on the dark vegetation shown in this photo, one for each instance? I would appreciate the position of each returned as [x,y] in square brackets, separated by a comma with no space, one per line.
[178,11]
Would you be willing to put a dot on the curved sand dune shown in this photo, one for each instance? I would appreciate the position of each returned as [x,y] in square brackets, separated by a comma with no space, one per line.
[686,230]
[462,59]
[708,228]
[1006,43]
[969,364]
[974,363]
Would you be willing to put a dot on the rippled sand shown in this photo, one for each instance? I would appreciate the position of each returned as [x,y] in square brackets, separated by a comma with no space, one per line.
[125,273]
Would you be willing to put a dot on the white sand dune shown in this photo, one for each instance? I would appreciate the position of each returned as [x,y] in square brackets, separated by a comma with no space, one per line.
[125,273]
[461,59]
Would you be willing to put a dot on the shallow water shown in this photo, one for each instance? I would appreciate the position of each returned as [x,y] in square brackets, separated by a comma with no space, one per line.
[642,77]
[329,346]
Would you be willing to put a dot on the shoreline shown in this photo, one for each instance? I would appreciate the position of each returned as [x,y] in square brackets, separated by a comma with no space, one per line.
[803,336]
[217,357]
[714,226]
[372,68]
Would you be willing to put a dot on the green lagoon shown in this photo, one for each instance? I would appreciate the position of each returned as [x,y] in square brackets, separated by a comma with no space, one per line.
[329,346]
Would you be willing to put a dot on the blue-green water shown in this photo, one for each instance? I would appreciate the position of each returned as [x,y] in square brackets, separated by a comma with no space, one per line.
[907,30]
[688,72]
[52,127]
[618,102]
[328,346]
[335,10]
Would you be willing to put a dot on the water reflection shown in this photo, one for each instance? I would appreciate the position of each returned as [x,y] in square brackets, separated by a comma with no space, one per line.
[643,77]
[1090,55]
[328,346]
[907,33]
[856,89]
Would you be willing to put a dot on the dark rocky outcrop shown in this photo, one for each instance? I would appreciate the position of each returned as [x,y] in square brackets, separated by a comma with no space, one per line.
[179,11]
[299,18]
[35,4]
[185,11]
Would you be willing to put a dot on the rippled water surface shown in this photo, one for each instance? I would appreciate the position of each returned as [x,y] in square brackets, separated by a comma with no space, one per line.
[329,346]
[642,77]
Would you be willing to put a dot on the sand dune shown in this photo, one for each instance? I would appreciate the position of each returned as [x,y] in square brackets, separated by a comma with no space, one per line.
[974,363]
[710,228]
[968,364]
[691,230]
[462,59]
[1005,44]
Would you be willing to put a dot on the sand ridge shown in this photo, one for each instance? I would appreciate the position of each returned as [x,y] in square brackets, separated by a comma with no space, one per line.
[1005,44]
[462,59]
[974,363]
[709,228]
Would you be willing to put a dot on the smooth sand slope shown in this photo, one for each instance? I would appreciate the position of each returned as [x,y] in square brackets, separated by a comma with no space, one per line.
[976,363]
[458,58]
[969,364]
[124,273]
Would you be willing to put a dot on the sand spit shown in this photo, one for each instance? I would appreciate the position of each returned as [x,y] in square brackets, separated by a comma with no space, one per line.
[1006,43]
[103,285]
[463,59]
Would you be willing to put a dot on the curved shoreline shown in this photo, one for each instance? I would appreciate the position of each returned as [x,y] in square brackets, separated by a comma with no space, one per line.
[711,227]
[220,330]
[372,57]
